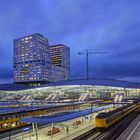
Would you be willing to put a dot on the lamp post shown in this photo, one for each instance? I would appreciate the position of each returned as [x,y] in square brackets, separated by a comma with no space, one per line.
[9,133]
[86,53]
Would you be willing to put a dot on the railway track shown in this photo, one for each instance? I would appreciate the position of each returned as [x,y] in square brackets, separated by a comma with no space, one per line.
[111,133]
[86,136]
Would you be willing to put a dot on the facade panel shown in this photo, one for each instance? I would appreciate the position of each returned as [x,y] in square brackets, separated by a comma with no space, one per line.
[35,61]
[31,59]
[60,59]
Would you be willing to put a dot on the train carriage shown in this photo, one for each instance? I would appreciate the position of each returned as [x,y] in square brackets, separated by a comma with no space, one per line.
[107,119]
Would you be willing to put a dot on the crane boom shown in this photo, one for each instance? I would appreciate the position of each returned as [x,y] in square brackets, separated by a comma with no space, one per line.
[87,61]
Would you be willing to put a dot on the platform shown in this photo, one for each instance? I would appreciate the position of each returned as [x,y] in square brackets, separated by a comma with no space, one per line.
[62,135]
[86,122]
[132,132]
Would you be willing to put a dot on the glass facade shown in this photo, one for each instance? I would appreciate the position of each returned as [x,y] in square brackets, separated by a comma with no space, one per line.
[60,59]
[35,61]
[77,91]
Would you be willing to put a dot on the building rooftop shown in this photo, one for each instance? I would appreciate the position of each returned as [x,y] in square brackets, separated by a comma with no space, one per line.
[55,45]
[94,82]
[29,35]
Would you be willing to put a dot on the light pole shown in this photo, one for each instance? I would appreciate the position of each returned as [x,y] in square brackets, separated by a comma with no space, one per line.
[87,60]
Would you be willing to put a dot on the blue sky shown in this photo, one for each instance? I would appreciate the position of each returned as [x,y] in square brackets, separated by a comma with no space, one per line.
[99,25]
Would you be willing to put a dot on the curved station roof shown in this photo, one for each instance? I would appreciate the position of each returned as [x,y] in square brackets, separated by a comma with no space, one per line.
[94,82]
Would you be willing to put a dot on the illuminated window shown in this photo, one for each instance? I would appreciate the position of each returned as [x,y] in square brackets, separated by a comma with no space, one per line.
[26,38]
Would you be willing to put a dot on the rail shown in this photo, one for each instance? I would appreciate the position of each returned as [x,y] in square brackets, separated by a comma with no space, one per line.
[112,133]
[130,130]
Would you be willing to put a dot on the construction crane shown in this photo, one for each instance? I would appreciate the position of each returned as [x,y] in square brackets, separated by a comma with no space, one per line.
[87,53]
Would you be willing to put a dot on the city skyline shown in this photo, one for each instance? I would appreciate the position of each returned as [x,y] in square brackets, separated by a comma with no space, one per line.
[94,25]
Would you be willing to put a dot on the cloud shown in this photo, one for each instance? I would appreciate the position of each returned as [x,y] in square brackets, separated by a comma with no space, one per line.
[102,25]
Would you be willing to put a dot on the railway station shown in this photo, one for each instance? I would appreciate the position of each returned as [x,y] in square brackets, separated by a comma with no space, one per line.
[69,110]
[63,70]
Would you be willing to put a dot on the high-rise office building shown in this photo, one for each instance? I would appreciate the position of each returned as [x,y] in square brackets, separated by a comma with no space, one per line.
[31,59]
[60,59]
[35,62]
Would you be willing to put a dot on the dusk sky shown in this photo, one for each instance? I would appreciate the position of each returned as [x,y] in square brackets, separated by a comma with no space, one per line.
[98,25]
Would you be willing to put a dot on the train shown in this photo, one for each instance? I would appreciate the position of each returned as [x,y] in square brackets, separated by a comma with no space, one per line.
[106,119]
[11,120]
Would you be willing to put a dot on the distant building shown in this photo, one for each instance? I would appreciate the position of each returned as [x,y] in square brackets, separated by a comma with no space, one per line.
[33,63]
[60,59]
[31,59]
